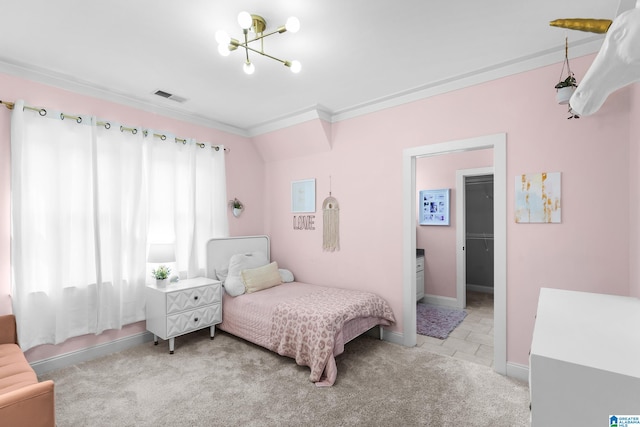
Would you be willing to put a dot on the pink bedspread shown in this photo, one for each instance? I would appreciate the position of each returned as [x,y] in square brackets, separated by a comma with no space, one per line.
[305,327]
[302,321]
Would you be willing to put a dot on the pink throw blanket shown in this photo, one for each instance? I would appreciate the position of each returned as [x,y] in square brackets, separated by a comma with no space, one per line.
[305,327]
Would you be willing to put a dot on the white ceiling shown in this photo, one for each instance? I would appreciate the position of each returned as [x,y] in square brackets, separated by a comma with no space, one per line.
[355,54]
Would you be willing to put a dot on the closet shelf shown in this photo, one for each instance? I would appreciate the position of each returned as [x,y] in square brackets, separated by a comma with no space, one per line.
[479,236]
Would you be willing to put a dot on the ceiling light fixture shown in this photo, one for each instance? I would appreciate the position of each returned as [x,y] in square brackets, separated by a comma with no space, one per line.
[256,24]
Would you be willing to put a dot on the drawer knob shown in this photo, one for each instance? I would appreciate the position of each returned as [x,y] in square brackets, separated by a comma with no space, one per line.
[196,298]
[195,320]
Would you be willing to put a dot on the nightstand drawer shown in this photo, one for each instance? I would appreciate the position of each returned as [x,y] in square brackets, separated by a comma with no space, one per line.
[188,299]
[181,323]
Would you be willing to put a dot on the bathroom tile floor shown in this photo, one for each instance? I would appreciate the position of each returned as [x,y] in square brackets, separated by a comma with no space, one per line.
[472,339]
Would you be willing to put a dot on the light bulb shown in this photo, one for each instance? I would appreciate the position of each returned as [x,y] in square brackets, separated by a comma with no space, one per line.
[223,49]
[222,37]
[248,68]
[295,66]
[245,20]
[293,24]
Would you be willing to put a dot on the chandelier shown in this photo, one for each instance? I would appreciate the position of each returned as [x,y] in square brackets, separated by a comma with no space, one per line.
[256,24]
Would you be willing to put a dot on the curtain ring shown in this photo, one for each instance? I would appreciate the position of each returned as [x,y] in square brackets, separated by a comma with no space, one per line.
[79,120]
[215,147]
[202,145]
[121,128]
[134,131]
[42,112]
[107,125]
[163,137]
[61,116]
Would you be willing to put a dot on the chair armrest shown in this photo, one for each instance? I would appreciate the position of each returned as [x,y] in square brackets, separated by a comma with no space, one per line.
[30,406]
[8,334]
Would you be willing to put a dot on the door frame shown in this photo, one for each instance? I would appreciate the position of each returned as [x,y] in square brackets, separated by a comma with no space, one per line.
[497,142]
[461,231]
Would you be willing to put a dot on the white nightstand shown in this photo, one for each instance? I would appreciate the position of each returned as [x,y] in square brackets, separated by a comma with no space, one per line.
[183,307]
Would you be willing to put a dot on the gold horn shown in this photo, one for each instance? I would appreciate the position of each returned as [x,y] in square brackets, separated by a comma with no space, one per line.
[599,26]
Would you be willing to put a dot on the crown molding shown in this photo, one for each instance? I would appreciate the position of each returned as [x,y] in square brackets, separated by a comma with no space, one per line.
[583,47]
[82,87]
[544,58]
[298,117]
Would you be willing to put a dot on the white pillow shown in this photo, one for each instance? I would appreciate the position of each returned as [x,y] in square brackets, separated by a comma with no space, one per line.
[221,274]
[265,277]
[234,285]
[286,275]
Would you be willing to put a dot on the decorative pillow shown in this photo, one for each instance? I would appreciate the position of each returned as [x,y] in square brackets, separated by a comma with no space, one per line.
[257,279]
[221,274]
[286,275]
[234,285]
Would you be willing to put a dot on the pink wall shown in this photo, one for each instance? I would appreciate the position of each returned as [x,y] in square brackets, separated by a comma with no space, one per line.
[634,193]
[243,164]
[5,211]
[439,242]
[589,251]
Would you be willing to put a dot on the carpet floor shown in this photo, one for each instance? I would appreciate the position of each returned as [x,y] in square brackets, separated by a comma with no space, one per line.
[230,382]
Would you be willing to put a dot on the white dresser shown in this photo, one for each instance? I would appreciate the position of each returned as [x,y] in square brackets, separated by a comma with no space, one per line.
[585,359]
[183,307]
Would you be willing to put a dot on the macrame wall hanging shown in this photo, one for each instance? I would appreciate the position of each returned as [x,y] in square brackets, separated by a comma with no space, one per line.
[330,223]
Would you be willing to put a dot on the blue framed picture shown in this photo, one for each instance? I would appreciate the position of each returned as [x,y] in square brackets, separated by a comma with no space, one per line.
[433,206]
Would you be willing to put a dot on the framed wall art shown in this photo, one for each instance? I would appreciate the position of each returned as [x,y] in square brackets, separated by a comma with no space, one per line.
[434,207]
[538,198]
[303,196]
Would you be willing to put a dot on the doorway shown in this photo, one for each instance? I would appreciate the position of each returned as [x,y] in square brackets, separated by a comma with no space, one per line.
[475,249]
[497,142]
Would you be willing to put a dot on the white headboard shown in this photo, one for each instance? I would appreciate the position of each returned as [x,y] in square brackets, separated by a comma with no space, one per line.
[220,251]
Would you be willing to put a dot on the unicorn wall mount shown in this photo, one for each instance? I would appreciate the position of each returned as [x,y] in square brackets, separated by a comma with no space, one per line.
[616,65]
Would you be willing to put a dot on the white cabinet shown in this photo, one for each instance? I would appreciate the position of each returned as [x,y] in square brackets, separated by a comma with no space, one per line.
[585,358]
[183,307]
[419,277]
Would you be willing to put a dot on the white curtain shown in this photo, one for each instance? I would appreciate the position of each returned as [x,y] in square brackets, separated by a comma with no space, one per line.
[86,202]
[187,200]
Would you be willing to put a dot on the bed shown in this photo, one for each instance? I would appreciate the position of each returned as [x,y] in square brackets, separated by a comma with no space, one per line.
[307,322]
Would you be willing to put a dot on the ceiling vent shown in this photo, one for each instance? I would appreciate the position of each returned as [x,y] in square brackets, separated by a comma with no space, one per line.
[170,96]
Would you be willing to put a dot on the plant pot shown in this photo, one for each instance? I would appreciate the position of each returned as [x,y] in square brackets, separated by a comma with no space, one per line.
[563,94]
[237,212]
[162,283]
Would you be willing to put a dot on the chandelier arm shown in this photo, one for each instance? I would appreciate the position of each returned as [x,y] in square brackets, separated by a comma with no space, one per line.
[248,48]
[245,42]
[258,38]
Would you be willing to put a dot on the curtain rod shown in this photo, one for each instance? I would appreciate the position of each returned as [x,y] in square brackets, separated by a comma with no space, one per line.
[107,125]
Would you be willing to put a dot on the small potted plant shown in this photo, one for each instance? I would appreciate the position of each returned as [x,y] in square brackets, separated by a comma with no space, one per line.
[237,207]
[565,89]
[161,275]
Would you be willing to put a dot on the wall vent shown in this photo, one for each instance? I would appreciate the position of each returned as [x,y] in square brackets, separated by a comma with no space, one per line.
[170,96]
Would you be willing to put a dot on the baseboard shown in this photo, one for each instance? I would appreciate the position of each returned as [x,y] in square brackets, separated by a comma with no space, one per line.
[393,337]
[390,336]
[438,300]
[480,288]
[514,370]
[79,356]
[520,372]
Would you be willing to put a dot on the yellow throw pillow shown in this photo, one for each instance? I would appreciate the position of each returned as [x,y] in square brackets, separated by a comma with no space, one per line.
[257,279]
